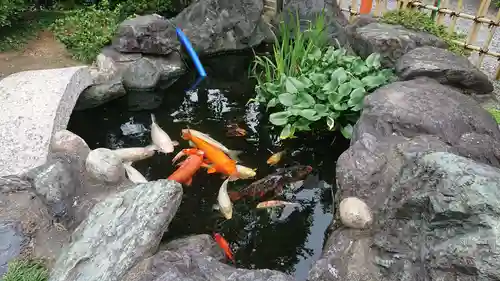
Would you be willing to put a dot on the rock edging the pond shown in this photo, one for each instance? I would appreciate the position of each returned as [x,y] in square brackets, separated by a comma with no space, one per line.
[425,159]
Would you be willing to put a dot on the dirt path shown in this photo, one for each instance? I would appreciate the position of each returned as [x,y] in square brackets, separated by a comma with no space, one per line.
[41,53]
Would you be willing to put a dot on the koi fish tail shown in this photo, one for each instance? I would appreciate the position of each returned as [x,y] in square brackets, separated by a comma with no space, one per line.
[234,195]
[233,154]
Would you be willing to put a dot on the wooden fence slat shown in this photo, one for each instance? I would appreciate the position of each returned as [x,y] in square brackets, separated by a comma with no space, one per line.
[454,17]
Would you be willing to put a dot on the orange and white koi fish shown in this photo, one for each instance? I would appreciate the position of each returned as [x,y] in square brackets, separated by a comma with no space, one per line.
[233,154]
[184,174]
[224,246]
[275,158]
[220,162]
[275,203]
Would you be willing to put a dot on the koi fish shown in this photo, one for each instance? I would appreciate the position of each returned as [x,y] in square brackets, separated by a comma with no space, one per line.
[235,131]
[233,154]
[160,138]
[224,246]
[220,161]
[132,174]
[275,158]
[275,203]
[132,154]
[225,204]
[274,182]
[245,172]
[184,174]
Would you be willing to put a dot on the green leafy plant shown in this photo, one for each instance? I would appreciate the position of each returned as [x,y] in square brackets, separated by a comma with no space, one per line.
[420,21]
[309,82]
[86,31]
[11,10]
[23,270]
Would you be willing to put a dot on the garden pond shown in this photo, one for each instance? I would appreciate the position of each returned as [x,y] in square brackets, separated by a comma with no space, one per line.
[259,239]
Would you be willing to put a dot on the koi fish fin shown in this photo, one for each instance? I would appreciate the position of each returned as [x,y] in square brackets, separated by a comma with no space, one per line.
[192,144]
[233,154]
[189,181]
[211,170]
[153,118]
[222,176]
[234,195]
[175,143]
[206,165]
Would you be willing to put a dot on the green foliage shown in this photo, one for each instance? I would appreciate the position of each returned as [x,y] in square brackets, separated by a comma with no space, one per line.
[16,35]
[22,270]
[11,10]
[86,31]
[420,21]
[311,83]
[495,113]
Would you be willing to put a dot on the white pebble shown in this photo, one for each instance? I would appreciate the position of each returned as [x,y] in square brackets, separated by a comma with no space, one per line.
[354,213]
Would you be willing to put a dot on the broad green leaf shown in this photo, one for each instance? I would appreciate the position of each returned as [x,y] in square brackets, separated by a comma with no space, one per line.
[334,98]
[305,81]
[318,78]
[287,132]
[286,99]
[330,122]
[294,111]
[279,118]
[340,107]
[340,75]
[331,86]
[293,85]
[344,89]
[302,124]
[373,60]
[315,54]
[305,97]
[347,131]
[357,96]
[310,114]
[272,103]
[356,83]
[373,81]
[321,95]
[320,109]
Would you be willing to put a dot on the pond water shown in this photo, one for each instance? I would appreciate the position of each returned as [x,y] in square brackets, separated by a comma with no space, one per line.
[288,242]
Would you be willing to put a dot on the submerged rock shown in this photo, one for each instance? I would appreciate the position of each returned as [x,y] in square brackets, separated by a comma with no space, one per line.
[201,244]
[423,106]
[119,232]
[436,222]
[366,36]
[12,241]
[104,165]
[445,67]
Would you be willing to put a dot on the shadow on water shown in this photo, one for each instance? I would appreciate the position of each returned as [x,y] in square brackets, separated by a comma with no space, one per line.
[260,238]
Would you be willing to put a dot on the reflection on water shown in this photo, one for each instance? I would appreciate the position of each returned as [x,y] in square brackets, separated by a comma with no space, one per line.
[288,240]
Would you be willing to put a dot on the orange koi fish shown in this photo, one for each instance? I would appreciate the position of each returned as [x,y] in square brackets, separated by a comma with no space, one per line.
[224,246]
[220,161]
[184,174]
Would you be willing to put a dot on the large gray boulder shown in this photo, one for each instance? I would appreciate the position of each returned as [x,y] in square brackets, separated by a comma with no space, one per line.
[212,26]
[367,36]
[423,106]
[119,232]
[445,67]
[114,74]
[437,221]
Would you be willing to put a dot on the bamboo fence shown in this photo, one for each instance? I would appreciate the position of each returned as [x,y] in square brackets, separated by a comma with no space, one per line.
[443,10]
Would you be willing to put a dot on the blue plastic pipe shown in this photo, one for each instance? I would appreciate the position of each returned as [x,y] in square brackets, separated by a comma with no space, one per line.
[196,60]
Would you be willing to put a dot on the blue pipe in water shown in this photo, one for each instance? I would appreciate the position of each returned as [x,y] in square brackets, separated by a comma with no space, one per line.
[196,60]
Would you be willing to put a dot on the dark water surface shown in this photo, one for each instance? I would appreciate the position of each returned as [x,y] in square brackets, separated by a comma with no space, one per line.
[258,238]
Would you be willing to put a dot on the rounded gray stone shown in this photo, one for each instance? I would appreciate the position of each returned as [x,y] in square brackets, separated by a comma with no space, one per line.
[68,142]
[102,164]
